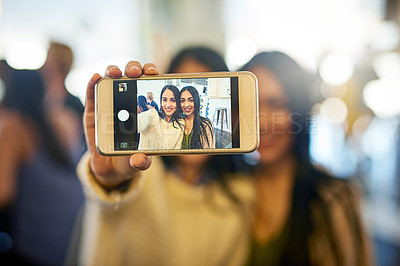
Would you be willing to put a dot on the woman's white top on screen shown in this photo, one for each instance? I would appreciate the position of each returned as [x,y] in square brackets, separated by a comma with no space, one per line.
[158,134]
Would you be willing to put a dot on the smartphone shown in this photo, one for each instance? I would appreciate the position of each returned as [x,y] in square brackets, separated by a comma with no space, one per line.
[208,113]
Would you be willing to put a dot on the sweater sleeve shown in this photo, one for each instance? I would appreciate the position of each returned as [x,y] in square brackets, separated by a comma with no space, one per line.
[210,137]
[95,192]
[340,237]
[147,119]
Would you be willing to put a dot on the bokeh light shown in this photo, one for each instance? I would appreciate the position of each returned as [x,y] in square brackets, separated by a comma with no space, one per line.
[239,52]
[382,96]
[386,37]
[361,125]
[336,69]
[387,65]
[26,55]
[334,110]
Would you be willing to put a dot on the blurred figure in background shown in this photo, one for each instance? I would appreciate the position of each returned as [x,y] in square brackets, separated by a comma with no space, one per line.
[5,71]
[303,216]
[172,213]
[65,110]
[39,190]
[5,240]
[142,104]
[150,100]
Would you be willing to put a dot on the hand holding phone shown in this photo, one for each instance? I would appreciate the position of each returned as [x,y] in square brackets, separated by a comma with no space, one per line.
[111,171]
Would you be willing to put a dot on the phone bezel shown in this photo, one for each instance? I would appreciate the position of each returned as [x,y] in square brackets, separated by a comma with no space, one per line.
[248,114]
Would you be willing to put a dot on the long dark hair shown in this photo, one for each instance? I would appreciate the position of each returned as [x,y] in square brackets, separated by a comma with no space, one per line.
[297,86]
[203,55]
[200,124]
[25,94]
[142,102]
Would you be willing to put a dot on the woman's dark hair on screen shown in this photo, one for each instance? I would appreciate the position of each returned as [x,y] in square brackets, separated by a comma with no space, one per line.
[204,55]
[200,124]
[25,94]
[142,102]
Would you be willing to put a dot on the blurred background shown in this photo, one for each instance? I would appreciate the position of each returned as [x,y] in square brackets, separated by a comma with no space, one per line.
[349,47]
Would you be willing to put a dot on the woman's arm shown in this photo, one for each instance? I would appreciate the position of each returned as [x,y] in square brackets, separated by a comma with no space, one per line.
[94,191]
[147,118]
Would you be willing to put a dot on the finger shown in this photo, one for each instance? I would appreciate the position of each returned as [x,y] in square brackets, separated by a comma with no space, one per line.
[90,88]
[113,71]
[150,69]
[88,116]
[140,161]
[133,69]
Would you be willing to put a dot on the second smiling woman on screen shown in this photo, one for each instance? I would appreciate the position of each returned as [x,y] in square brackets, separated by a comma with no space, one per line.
[199,132]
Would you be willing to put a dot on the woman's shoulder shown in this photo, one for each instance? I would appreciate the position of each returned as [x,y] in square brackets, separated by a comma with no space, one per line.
[338,200]
[206,123]
[175,124]
[337,220]
[241,186]
[334,190]
[205,120]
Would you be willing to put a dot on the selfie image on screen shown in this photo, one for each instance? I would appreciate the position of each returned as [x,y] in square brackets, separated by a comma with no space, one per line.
[181,113]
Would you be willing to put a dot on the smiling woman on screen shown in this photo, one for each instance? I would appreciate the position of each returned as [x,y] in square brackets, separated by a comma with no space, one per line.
[162,130]
[199,132]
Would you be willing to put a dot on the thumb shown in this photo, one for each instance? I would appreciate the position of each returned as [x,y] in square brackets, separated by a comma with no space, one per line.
[140,161]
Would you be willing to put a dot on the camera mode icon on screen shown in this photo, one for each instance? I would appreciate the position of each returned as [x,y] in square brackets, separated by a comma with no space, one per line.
[123,87]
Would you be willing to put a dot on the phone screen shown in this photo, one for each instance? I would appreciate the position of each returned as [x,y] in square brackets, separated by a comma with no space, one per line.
[171,114]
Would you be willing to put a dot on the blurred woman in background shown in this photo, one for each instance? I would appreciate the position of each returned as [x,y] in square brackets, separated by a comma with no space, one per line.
[303,216]
[199,133]
[38,184]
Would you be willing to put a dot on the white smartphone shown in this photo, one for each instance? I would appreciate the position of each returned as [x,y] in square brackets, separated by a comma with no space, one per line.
[209,113]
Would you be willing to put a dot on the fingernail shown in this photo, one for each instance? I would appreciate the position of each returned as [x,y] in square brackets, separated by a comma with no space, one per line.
[134,68]
[141,163]
[152,69]
[111,69]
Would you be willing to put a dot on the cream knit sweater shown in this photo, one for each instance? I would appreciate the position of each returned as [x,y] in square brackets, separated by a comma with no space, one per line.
[157,134]
[161,220]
